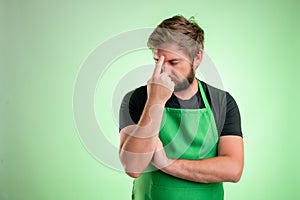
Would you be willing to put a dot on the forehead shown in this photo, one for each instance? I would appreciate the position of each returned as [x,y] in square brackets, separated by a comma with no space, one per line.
[170,51]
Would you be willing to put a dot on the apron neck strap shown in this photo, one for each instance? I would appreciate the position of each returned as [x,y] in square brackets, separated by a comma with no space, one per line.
[203,95]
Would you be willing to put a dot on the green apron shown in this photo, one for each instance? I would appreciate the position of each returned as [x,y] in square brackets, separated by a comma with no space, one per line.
[189,134]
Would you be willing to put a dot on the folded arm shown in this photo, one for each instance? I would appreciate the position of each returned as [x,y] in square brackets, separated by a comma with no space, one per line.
[138,142]
[226,167]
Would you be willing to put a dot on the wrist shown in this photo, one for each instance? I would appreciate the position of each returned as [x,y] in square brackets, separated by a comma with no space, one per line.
[156,101]
[150,121]
[167,166]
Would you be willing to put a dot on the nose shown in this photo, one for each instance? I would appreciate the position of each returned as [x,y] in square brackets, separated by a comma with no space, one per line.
[167,68]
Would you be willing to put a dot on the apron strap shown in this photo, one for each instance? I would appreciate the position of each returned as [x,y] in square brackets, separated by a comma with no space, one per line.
[203,95]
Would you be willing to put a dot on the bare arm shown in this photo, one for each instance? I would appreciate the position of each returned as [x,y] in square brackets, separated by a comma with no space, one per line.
[226,167]
[138,142]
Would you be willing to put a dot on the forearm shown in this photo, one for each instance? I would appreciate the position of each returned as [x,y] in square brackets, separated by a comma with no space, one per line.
[136,154]
[217,169]
[138,142]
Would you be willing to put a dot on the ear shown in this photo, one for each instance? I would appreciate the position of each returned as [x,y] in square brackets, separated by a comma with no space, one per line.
[198,59]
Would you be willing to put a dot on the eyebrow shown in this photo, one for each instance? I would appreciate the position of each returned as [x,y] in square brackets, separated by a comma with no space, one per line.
[172,60]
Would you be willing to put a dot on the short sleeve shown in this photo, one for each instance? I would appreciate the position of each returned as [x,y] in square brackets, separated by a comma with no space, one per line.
[232,123]
[132,107]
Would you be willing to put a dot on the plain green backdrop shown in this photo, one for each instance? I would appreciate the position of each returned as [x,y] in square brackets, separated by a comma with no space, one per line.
[43,44]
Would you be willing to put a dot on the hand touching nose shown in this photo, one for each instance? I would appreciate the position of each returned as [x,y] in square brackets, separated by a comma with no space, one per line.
[160,86]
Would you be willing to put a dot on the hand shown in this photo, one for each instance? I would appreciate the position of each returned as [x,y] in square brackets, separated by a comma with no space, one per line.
[160,160]
[160,86]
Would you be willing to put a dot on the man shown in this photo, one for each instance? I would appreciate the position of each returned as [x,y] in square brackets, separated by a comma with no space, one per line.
[180,138]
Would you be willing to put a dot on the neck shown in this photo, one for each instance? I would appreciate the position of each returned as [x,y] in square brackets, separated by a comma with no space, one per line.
[188,92]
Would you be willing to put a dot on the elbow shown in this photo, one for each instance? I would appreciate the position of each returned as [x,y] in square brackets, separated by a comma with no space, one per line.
[236,174]
[133,175]
[133,164]
[129,168]
[236,178]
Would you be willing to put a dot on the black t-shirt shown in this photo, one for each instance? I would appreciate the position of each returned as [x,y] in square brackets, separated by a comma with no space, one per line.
[223,105]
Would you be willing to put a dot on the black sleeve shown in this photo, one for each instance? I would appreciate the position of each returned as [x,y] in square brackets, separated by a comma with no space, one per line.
[132,107]
[232,123]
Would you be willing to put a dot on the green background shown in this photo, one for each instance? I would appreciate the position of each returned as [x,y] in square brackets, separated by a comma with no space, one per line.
[44,43]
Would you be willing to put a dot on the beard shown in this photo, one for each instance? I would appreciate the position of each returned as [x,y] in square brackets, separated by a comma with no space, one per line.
[183,83]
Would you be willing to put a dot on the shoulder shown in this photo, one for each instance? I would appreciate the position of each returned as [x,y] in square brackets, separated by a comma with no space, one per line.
[139,93]
[217,95]
[132,106]
[136,97]
[225,110]
[213,94]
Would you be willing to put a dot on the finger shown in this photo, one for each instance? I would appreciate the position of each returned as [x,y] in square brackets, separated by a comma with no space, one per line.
[169,83]
[158,66]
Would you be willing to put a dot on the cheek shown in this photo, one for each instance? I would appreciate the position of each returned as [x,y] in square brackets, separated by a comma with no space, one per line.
[184,70]
[180,73]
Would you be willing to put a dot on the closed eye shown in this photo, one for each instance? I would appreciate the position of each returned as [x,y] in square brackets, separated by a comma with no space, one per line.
[174,62]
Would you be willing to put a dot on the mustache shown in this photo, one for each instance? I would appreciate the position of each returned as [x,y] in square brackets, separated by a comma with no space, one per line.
[180,78]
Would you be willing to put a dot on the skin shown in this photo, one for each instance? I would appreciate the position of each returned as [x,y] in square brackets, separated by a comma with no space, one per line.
[139,142]
[139,149]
